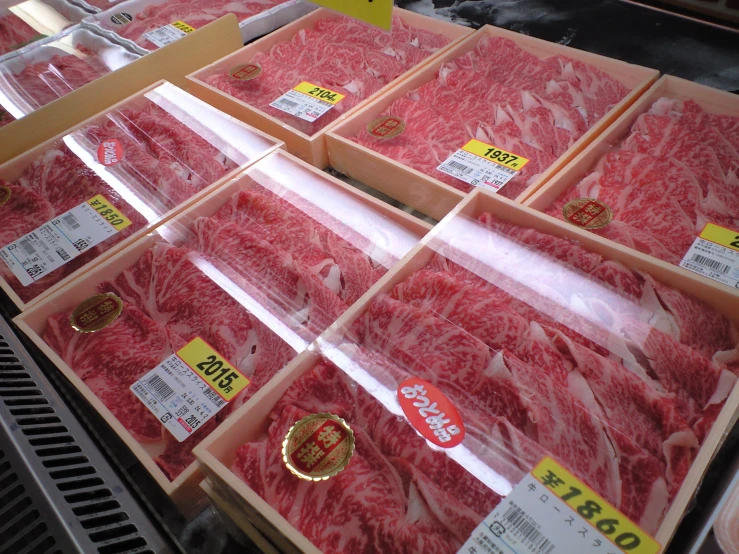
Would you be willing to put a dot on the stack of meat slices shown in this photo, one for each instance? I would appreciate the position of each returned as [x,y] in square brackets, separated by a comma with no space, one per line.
[674,173]
[164,163]
[340,54]
[286,260]
[14,32]
[545,349]
[534,108]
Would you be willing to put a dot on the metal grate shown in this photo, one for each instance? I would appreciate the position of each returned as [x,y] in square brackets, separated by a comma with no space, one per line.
[57,492]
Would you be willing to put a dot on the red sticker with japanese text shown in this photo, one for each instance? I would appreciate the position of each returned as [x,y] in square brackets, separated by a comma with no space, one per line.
[386,127]
[110,152]
[587,213]
[430,412]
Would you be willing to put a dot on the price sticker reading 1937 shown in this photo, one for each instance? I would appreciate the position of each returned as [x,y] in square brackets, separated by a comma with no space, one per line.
[484,165]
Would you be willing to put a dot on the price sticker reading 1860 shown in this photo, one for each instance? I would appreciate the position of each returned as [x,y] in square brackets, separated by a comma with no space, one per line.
[550,511]
[307,101]
[484,165]
[189,387]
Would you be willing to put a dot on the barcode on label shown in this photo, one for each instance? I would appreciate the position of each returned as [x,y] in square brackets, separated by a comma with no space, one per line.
[528,530]
[160,389]
[287,103]
[27,246]
[460,167]
[62,254]
[711,264]
[71,221]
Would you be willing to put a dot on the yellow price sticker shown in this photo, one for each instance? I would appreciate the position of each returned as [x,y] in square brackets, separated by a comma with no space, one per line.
[109,212]
[495,154]
[721,235]
[324,94]
[374,12]
[611,523]
[220,375]
[182,26]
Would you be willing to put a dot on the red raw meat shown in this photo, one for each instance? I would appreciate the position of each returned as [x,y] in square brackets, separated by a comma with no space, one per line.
[112,359]
[14,33]
[177,456]
[5,117]
[23,212]
[619,277]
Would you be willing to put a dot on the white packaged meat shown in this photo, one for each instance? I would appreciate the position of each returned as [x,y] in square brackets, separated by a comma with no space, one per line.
[44,72]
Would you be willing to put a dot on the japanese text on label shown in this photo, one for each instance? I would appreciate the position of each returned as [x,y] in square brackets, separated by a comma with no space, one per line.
[715,254]
[169,33]
[307,101]
[483,165]
[62,239]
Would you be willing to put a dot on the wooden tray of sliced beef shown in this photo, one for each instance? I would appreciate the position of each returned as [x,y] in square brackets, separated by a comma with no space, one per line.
[78,198]
[537,341]
[522,98]
[667,173]
[253,273]
[345,62]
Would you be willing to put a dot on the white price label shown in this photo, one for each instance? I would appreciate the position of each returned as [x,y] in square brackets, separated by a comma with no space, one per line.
[62,239]
[715,254]
[189,388]
[551,512]
[169,33]
[307,101]
[476,170]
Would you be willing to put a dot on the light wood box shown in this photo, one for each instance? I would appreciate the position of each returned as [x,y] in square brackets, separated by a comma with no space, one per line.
[428,194]
[217,453]
[711,100]
[172,64]
[11,170]
[309,148]
[184,490]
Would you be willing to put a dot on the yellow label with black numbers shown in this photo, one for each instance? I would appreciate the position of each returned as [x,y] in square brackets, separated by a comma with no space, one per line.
[324,94]
[495,154]
[611,523]
[182,26]
[721,235]
[374,12]
[220,375]
[109,212]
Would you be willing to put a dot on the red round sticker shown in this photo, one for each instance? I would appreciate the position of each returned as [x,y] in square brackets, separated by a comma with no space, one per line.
[110,152]
[430,412]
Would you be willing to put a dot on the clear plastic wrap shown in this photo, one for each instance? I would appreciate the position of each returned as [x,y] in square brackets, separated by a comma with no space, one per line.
[257,269]
[673,170]
[149,23]
[344,56]
[25,22]
[42,73]
[146,157]
[726,526]
[541,347]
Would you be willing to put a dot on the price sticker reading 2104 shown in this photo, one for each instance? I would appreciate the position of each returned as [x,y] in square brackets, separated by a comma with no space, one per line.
[552,512]
[189,387]
[307,101]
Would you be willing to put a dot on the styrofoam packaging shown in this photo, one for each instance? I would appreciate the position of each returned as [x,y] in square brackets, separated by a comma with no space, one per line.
[253,22]
[666,248]
[228,281]
[149,156]
[309,147]
[491,310]
[427,193]
[68,9]
[52,78]
[25,22]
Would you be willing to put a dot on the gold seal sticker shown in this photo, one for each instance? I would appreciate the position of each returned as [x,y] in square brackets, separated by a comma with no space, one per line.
[96,313]
[5,193]
[318,447]
[587,213]
[386,127]
[245,71]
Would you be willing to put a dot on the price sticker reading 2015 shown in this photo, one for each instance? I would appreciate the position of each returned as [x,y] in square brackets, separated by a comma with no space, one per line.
[307,101]
[551,511]
[189,387]
[483,165]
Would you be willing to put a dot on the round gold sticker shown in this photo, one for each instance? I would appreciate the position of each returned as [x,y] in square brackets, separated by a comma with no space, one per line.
[318,447]
[245,71]
[386,127]
[96,313]
[587,213]
[5,193]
